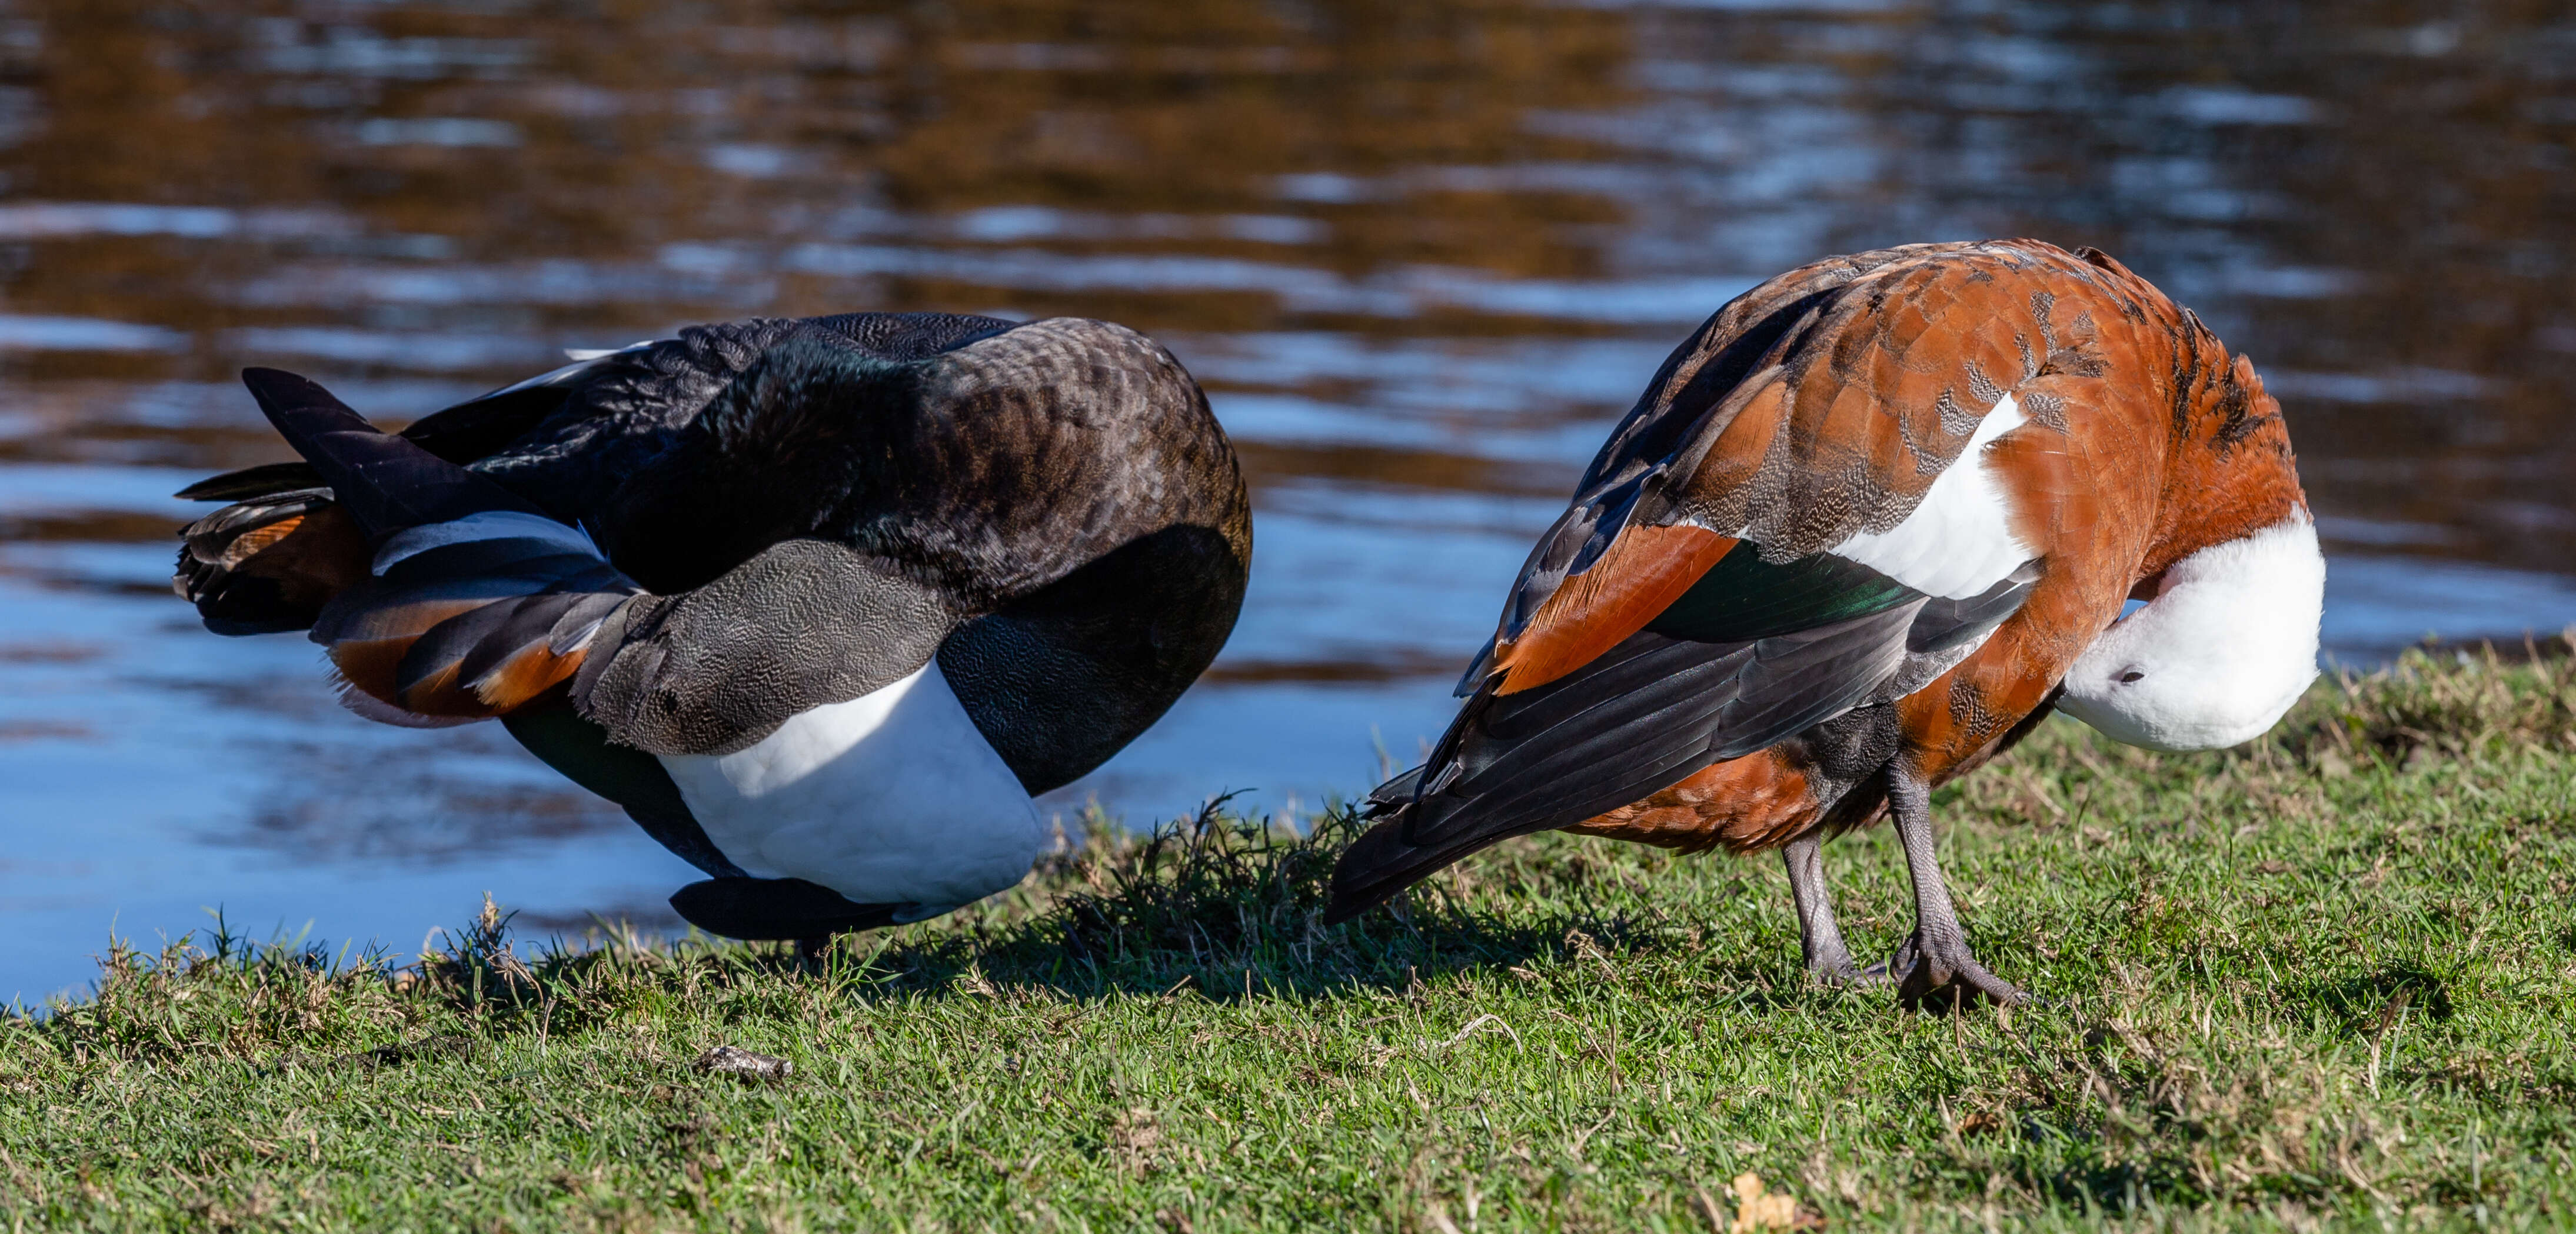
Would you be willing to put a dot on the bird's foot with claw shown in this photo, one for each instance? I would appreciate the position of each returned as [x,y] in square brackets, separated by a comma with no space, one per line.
[1939,974]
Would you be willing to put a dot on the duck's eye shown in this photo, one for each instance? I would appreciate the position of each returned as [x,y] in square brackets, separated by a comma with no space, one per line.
[2133,675]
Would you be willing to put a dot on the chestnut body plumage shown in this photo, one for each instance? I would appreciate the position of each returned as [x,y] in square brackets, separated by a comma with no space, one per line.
[1852,542]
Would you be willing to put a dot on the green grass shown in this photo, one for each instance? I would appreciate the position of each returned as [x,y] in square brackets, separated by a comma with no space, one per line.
[2325,981]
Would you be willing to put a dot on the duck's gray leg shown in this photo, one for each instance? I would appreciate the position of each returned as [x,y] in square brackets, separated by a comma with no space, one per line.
[1934,964]
[1819,935]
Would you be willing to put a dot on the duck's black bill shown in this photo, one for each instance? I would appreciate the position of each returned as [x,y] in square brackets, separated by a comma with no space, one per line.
[776,908]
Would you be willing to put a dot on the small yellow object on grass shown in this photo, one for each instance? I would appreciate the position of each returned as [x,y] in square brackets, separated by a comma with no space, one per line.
[1756,1210]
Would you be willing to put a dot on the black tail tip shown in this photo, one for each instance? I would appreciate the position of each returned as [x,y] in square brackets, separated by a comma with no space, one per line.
[1374,868]
[1345,906]
[264,382]
[298,405]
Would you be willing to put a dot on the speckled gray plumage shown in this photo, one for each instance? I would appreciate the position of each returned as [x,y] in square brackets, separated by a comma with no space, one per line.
[716,669]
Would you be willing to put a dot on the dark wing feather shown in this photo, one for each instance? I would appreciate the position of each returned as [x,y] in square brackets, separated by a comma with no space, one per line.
[1638,475]
[253,483]
[681,372]
[537,621]
[1744,597]
[1945,625]
[404,637]
[1821,404]
[471,645]
[485,626]
[383,481]
[458,434]
[633,779]
[1396,793]
[1651,712]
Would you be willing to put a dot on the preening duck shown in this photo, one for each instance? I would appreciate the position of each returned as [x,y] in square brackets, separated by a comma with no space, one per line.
[1862,532]
[822,603]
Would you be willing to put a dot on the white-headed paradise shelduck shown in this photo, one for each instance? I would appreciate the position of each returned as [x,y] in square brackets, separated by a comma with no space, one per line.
[820,602]
[1861,533]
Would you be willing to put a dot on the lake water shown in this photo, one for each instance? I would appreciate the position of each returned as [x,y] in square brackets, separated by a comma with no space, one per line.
[1421,254]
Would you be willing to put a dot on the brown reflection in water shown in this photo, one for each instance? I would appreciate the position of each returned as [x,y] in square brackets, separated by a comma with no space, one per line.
[529,137]
[2370,198]
[325,810]
[44,730]
[1397,665]
[51,652]
[1423,253]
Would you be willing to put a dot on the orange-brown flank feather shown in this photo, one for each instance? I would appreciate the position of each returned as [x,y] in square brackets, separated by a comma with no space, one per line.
[249,543]
[372,665]
[1643,571]
[524,676]
[312,556]
[1755,796]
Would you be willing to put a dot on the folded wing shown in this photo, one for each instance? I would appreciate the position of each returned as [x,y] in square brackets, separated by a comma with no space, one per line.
[1799,513]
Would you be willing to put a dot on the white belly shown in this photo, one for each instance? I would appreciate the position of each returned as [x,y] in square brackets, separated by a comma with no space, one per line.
[893,797]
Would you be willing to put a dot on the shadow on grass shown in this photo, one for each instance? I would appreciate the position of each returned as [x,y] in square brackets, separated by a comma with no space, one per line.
[1233,907]
[1229,907]
[2371,1004]
[1216,906]
[1218,893]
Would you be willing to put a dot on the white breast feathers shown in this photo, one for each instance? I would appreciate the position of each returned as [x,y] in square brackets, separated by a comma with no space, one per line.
[893,797]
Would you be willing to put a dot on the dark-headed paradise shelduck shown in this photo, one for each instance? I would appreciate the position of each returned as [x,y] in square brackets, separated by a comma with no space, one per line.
[821,603]
[1862,532]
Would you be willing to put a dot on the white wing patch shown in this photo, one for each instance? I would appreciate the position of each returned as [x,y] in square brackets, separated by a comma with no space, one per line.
[582,358]
[584,355]
[893,797]
[1959,541]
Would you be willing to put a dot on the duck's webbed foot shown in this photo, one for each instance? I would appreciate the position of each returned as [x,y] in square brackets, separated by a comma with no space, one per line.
[1933,968]
[1820,936]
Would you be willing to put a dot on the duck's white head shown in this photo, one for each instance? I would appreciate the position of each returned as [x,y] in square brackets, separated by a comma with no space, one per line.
[2216,658]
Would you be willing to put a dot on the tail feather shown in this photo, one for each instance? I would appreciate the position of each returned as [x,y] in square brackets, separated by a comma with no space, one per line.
[467,601]
[269,565]
[253,483]
[388,484]
[1382,862]
[291,542]
[460,434]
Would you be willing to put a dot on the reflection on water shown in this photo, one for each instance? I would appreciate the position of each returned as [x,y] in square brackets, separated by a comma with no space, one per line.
[1421,255]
